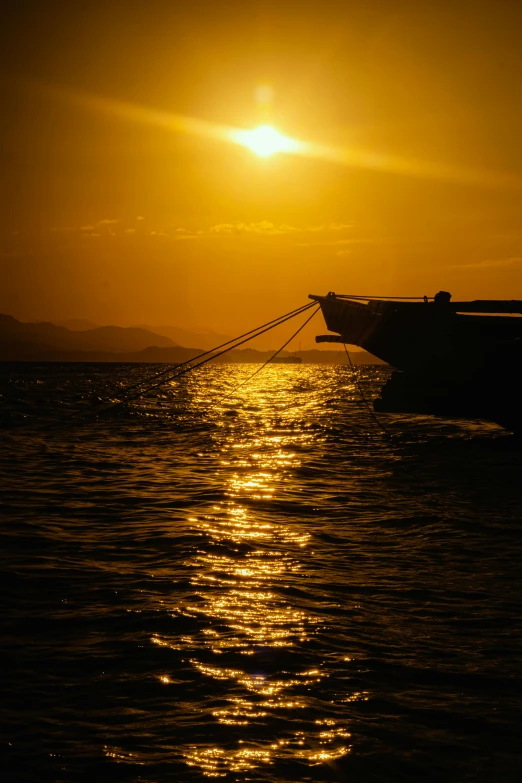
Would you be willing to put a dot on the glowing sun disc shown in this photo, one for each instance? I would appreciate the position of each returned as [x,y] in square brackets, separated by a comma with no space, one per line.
[266,141]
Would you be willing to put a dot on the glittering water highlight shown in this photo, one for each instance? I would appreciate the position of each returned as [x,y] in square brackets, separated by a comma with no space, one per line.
[255,587]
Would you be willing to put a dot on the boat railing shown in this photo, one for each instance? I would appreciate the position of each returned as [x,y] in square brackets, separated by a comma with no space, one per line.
[476,306]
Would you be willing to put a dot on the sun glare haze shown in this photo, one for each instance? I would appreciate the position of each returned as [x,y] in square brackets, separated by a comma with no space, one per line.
[347,149]
[266,141]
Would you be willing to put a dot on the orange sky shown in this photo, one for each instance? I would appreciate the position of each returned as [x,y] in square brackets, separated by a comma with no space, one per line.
[111,216]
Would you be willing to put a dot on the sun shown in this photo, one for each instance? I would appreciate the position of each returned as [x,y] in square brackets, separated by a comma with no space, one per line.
[266,141]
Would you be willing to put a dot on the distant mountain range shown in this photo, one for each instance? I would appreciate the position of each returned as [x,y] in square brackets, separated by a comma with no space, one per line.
[204,340]
[45,341]
[102,338]
[77,324]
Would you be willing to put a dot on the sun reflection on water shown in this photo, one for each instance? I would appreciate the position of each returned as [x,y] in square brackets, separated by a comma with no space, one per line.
[216,762]
[242,575]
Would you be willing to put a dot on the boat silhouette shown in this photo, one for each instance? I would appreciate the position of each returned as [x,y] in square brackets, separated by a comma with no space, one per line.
[451,359]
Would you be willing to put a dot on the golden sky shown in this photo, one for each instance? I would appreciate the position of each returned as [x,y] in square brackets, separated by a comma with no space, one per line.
[126,199]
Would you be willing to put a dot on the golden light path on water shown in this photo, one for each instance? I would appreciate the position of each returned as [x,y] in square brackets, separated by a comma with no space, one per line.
[241,575]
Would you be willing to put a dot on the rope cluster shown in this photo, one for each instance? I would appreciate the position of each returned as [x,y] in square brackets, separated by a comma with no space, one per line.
[157,379]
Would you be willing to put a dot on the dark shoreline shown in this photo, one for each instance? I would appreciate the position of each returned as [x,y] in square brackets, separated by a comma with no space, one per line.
[23,352]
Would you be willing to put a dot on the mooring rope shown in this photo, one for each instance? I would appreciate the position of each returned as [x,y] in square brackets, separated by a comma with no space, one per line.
[178,371]
[253,332]
[384,430]
[271,359]
[176,374]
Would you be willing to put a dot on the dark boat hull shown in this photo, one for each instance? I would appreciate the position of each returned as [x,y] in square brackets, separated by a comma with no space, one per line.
[448,362]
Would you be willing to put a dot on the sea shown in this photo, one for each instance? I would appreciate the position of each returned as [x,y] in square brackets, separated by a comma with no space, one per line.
[236,578]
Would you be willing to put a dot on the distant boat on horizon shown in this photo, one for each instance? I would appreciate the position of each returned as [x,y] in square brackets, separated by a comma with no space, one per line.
[287,360]
[450,359]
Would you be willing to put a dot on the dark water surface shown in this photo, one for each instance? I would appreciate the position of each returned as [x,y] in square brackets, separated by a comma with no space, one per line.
[255,588]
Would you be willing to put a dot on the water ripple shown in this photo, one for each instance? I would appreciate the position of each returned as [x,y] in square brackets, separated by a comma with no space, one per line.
[254,587]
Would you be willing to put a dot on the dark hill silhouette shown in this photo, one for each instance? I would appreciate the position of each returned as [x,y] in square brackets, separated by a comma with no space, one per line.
[115,339]
[205,340]
[78,324]
[46,342]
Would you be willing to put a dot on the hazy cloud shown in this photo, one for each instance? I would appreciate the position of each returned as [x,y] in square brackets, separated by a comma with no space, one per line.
[184,233]
[222,228]
[94,226]
[490,263]
[263,227]
[339,226]
[330,227]
[337,242]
